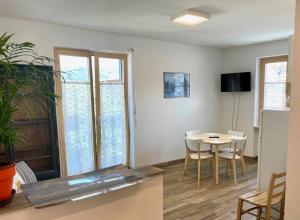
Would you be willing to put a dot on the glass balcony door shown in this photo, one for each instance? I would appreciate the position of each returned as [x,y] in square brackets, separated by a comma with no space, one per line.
[111,108]
[92,112]
[76,121]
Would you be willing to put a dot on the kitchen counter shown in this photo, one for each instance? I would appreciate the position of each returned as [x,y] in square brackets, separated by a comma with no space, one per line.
[149,179]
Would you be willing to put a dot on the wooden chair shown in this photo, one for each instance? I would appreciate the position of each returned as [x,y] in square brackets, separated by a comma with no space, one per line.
[239,150]
[265,200]
[192,151]
[236,153]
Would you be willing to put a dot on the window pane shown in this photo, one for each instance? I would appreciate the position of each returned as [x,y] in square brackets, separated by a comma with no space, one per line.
[112,113]
[275,95]
[76,99]
[74,69]
[275,85]
[113,130]
[275,72]
[111,69]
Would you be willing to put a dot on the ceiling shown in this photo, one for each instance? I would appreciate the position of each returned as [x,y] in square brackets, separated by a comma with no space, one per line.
[233,22]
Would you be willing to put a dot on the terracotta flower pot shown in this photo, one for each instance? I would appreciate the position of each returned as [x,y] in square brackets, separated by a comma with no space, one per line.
[7,173]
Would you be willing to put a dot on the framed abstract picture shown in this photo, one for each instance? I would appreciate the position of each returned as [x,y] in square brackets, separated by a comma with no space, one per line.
[176,85]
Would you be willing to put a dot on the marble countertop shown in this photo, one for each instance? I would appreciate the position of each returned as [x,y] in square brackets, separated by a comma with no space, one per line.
[113,180]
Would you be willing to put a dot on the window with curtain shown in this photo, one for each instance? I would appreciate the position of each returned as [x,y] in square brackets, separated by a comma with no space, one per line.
[93,110]
[77,112]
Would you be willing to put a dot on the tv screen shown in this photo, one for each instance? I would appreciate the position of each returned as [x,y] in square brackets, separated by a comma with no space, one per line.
[236,82]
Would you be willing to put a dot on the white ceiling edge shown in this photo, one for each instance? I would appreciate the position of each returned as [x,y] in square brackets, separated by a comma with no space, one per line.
[95,29]
[257,43]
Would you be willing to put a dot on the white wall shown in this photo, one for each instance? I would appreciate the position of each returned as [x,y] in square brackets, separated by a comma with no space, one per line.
[243,59]
[160,122]
[292,211]
[273,141]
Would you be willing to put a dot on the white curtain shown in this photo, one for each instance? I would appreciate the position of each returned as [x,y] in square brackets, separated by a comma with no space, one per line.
[131,105]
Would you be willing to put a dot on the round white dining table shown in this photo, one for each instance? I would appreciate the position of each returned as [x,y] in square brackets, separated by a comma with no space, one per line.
[215,140]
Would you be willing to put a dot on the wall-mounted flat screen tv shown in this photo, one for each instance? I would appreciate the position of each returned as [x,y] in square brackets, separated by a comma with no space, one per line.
[236,82]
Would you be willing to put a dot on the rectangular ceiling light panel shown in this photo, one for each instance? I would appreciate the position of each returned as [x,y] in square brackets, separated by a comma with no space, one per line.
[190,17]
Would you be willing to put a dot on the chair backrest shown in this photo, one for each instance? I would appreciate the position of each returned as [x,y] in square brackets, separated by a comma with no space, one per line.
[276,191]
[25,172]
[192,145]
[203,147]
[193,132]
[240,144]
[236,133]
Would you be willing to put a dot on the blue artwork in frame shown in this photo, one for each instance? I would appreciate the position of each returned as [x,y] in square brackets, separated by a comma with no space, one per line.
[176,85]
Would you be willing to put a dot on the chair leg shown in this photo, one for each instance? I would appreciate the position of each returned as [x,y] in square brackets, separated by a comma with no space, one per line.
[199,168]
[227,167]
[214,168]
[185,164]
[259,211]
[211,168]
[234,170]
[282,210]
[243,164]
[242,168]
[239,210]
[268,213]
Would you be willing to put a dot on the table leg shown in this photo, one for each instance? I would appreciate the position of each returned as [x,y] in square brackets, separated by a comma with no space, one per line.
[217,164]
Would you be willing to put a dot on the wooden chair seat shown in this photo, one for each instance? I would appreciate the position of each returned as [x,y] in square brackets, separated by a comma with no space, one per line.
[250,194]
[203,156]
[201,150]
[228,150]
[261,199]
[229,156]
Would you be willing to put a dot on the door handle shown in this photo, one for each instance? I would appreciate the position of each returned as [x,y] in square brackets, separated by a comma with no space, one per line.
[99,120]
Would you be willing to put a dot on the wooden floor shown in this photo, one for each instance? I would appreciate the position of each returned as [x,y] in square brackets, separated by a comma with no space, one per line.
[183,200]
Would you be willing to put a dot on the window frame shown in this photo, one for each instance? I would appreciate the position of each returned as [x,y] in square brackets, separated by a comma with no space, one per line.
[95,100]
[124,80]
[58,51]
[263,63]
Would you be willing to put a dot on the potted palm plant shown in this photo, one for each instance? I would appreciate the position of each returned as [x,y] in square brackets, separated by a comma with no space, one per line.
[16,86]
